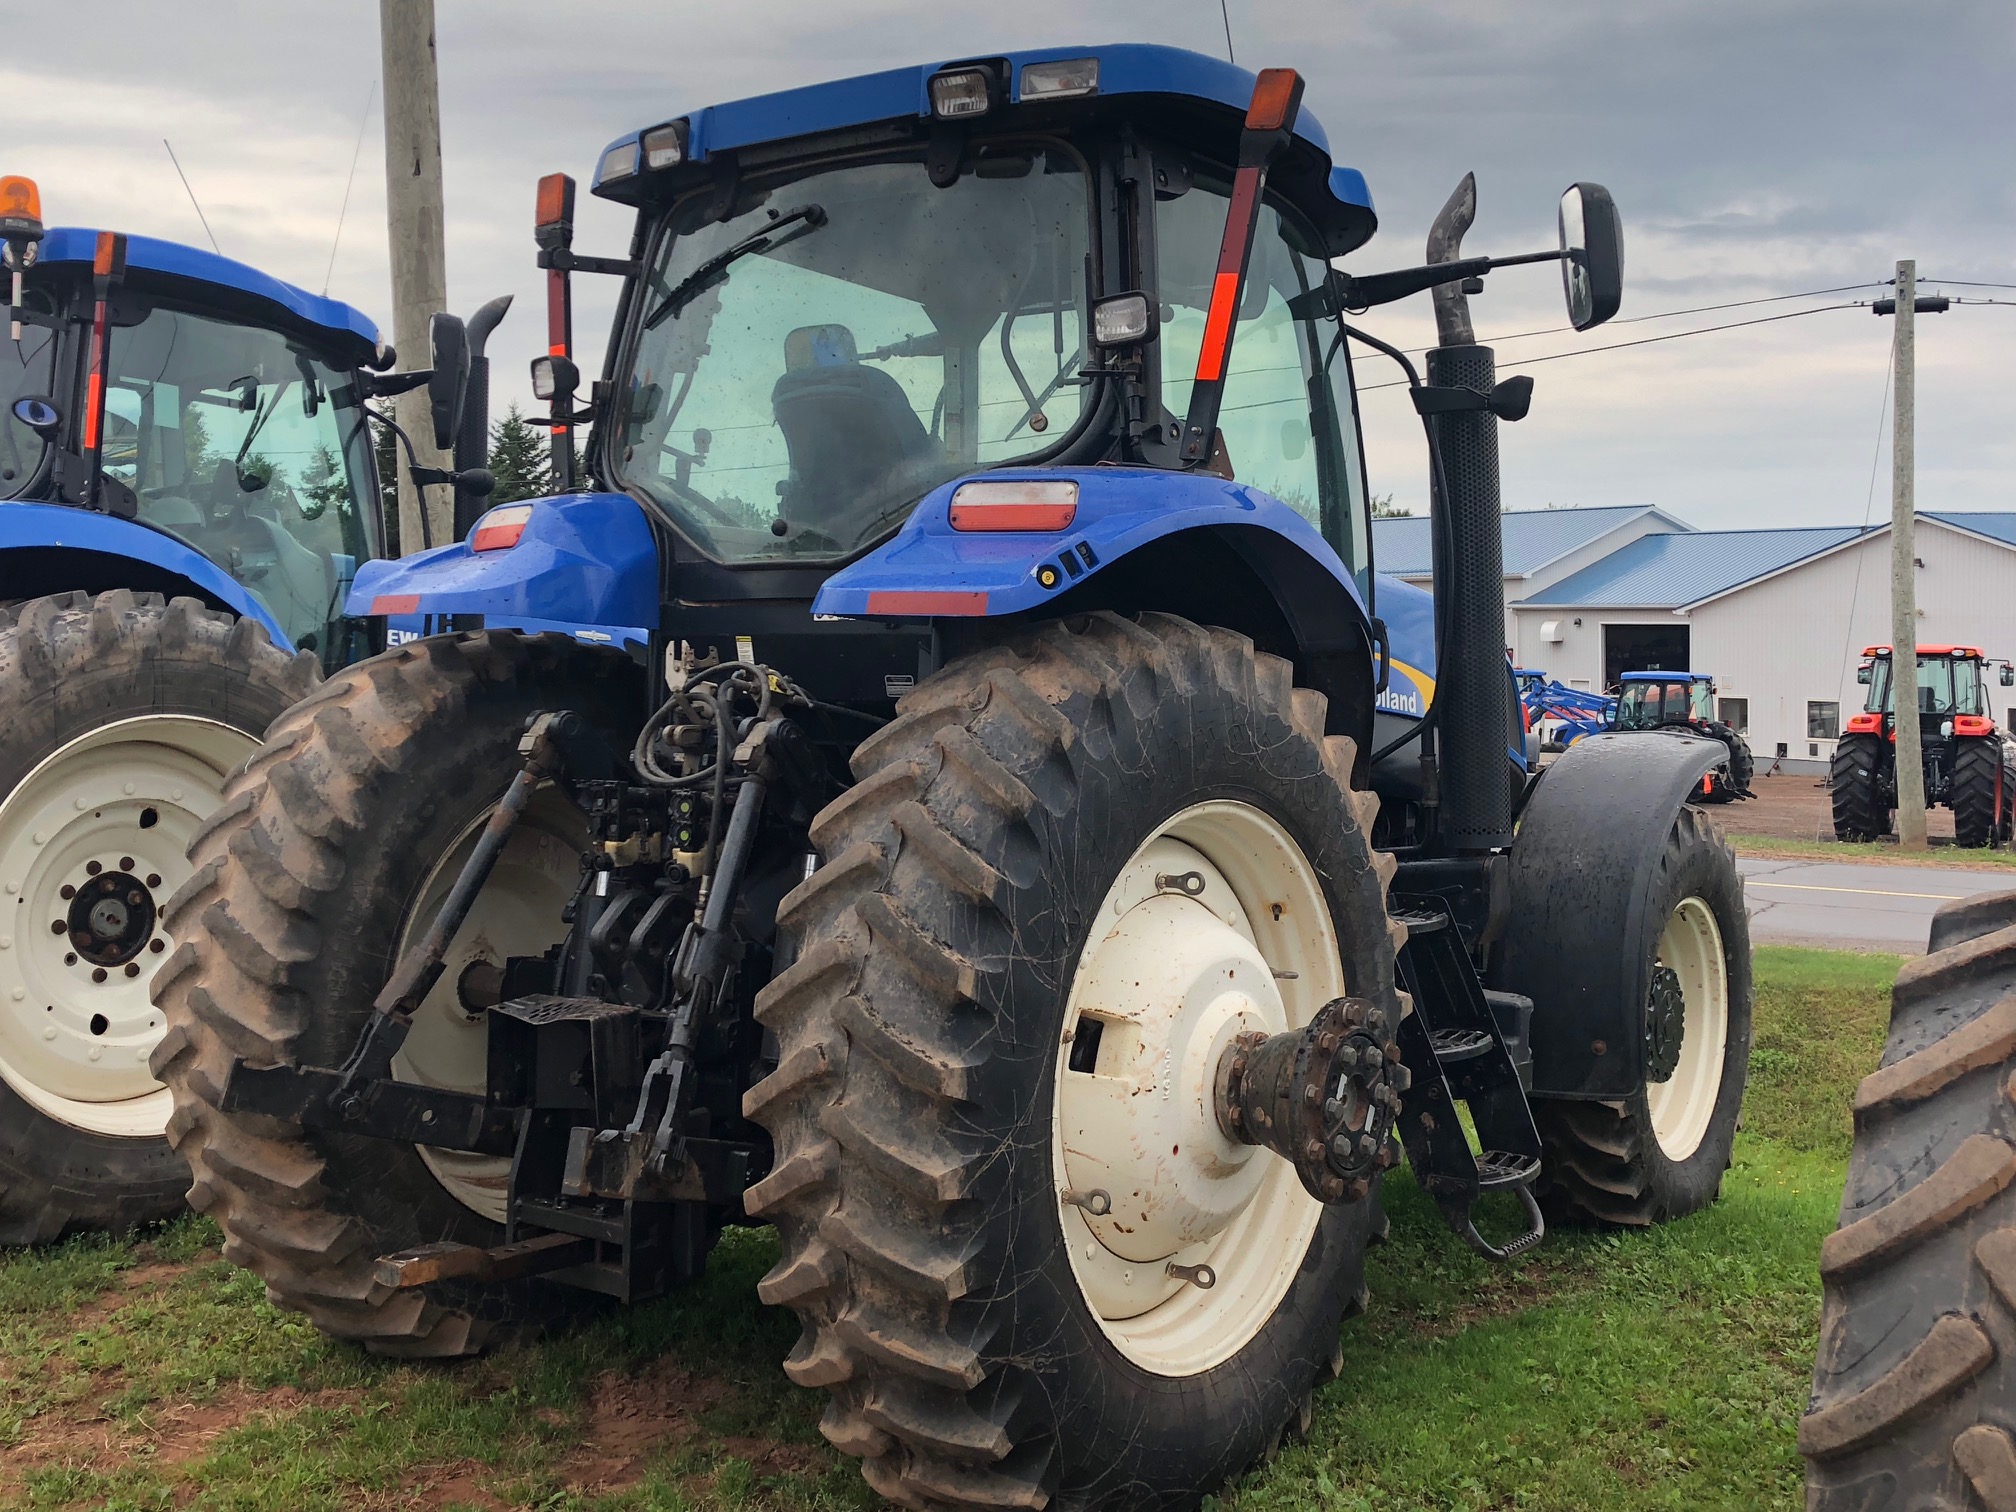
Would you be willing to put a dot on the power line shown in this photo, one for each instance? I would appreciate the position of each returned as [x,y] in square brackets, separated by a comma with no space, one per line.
[1967,283]
[1734,304]
[1730,325]
[1226,16]
[355,152]
[192,198]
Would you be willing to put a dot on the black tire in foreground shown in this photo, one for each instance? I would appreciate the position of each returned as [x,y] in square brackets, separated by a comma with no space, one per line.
[927,1249]
[328,845]
[1860,812]
[1980,796]
[120,715]
[1914,1389]
[1660,1154]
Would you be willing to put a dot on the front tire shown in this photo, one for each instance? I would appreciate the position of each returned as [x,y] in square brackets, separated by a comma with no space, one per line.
[1914,1387]
[334,844]
[935,1113]
[120,717]
[1660,1153]
[1979,799]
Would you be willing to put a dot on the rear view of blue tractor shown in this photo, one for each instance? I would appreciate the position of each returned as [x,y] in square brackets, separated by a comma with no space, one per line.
[1024,864]
[186,492]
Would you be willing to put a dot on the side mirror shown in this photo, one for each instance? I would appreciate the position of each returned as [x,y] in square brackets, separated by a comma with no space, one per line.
[448,383]
[1862,676]
[2008,676]
[39,415]
[1592,255]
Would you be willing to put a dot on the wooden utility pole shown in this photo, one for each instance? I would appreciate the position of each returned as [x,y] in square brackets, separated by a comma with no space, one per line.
[419,254]
[1903,579]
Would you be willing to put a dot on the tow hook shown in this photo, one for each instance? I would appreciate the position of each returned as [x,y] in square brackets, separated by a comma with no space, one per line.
[1325,1097]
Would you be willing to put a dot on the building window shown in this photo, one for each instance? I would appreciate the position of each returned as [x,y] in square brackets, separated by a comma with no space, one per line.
[1823,721]
[1735,713]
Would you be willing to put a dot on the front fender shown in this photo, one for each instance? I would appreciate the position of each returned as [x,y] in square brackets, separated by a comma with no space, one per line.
[1582,871]
[46,548]
[583,560]
[928,570]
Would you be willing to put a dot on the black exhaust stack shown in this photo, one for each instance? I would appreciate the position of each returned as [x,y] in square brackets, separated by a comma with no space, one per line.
[1471,687]
[472,441]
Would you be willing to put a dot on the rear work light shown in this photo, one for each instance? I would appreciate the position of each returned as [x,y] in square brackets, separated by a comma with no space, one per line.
[1122,320]
[1972,724]
[963,92]
[500,529]
[1065,79]
[665,146]
[1037,504]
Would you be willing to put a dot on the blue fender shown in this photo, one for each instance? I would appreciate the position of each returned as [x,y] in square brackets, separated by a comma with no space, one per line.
[64,528]
[928,570]
[586,563]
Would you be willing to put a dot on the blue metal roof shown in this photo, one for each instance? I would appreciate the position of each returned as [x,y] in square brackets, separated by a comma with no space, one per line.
[76,244]
[1668,570]
[1124,69]
[1533,537]
[2000,525]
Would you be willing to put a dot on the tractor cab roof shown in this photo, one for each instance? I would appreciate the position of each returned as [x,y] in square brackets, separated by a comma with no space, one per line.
[1196,101]
[1660,677]
[1963,651]
[192,274]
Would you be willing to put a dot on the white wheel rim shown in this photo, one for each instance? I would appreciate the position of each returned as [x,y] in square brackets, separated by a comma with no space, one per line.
[109,816]
[516,914]
[1169,979]
[1683,1106]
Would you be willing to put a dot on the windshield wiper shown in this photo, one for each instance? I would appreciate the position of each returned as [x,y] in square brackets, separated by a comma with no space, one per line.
[808,217]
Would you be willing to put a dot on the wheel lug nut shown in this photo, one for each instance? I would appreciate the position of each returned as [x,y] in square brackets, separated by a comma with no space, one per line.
[70,959]
[1374,1059]
[132,968]
[153,879]
[1333,1109]
[98,974]
[126,863]
[136,898]
[67,891]
[93,867]
[1348,1057]
[157,945]
[1340,1147]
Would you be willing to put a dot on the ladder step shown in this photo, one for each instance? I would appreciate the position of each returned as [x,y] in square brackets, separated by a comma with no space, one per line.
[1459,1044]
[1419,921]
[1499,1169]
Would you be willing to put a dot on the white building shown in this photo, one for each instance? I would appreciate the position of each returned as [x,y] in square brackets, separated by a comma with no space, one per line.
[1778,617]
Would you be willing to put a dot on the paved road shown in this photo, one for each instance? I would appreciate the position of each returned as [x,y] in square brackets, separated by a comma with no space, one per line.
[1842,906]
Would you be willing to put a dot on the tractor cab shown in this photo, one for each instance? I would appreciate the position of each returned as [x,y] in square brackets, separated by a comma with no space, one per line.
[207,416]
[1659,700]
[1952,691]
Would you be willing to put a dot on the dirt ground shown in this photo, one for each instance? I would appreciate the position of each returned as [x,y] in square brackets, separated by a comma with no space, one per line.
[1797,808]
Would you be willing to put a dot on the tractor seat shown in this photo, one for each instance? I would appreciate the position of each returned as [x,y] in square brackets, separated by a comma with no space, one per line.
[851,436]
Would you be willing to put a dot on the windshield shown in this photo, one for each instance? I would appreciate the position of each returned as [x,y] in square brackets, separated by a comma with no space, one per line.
[1647,705]
[251,449]
[796,388]
[26,369]
[1946,685]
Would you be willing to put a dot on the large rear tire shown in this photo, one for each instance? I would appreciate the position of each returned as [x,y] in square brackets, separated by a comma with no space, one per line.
[1660,1153]
[333,846]
[1005,879]
[120,717]
[1914,1388]
[1859,810]
[1979,798]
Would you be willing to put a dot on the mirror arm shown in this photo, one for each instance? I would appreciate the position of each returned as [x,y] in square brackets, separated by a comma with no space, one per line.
[566,260]
[384,385]
[1384,288]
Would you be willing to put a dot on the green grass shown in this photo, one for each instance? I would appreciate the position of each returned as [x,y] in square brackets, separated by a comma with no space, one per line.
[1884,852]
[1626,1371]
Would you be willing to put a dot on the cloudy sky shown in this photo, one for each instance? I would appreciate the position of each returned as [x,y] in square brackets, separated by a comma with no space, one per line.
[1756,147]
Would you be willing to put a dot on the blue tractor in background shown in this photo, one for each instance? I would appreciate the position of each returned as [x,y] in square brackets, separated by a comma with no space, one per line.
[1559,714]
[1006,836]
[1683,703]
[186,492]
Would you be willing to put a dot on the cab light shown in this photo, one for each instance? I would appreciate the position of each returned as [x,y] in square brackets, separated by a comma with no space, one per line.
[500,529]
[1123,320]
[1034,504]
[1065,79]
[554,210]
[20,207]
[665,146]
[619,162]
[1864,724]
[964,93]
[1276,94]
[1972,724]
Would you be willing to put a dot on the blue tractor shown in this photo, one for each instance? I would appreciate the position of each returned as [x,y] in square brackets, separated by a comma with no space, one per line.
[1562,715]
[1015,861]
[186,491]
[1683,703]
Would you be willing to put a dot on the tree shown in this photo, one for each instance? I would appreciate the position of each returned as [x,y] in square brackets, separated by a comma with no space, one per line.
[1383,508]
[520,460]
[385,449]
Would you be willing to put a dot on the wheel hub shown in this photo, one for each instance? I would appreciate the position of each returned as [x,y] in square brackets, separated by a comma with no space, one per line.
[111,916]
[1665,1024]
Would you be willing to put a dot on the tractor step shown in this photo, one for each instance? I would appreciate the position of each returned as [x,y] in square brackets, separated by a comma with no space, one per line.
[1499,1169]
[1452,1045]
[506,1262]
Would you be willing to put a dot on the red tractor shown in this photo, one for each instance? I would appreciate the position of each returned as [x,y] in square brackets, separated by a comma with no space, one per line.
[1970,765]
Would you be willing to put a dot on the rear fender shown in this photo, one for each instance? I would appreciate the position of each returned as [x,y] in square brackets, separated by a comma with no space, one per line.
[51,548]
[1581,885]
[584,561]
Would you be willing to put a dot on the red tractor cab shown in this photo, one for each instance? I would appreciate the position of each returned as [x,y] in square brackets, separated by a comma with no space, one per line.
[1970,765]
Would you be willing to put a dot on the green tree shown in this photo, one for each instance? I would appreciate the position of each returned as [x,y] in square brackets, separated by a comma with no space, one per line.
[520,460]
[1383,508]
[385,448]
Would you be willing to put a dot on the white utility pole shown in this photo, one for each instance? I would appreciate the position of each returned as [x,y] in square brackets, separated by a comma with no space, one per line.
[1903,579]
[419,254]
